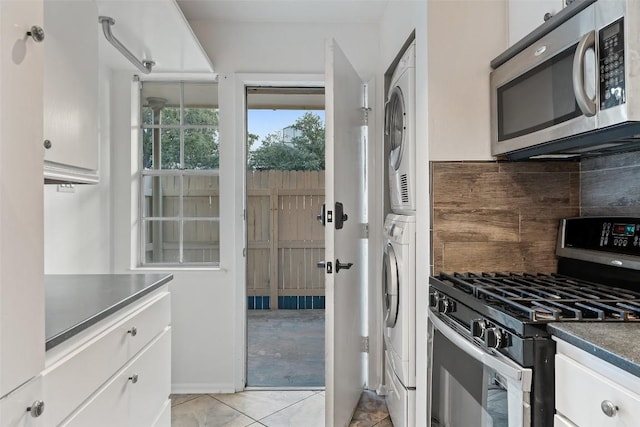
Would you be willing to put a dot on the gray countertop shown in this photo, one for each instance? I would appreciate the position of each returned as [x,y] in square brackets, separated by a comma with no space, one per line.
[617,343]
[75,302]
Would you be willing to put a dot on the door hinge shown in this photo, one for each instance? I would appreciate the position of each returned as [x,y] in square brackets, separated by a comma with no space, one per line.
[365,116]
[364,345]
[364,233]
[244,252]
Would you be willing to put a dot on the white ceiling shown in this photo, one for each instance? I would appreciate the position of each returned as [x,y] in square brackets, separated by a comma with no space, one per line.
[300,11]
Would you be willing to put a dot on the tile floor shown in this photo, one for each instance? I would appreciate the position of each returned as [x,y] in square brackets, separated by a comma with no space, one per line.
[270,409]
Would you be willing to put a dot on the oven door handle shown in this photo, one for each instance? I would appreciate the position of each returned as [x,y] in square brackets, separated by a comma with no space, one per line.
[502,365]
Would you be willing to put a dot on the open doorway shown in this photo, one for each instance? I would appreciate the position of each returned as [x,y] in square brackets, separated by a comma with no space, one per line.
[285,193]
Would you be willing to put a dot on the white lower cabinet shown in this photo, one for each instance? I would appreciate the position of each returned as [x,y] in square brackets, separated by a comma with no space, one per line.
[117,373]
[592,392]
[135,395]
[16,408]
[164,419]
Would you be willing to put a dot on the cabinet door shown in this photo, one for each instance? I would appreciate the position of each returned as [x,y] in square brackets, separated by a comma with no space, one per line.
[21,204]
[71,90]
[526,15]
[581,394]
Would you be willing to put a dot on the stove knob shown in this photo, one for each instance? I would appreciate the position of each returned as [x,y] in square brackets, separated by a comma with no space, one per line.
[445,305]
[494,338]
[478,326]
[433,299]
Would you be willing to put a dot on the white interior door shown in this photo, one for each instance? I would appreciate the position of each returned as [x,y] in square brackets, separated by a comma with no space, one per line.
[344,183]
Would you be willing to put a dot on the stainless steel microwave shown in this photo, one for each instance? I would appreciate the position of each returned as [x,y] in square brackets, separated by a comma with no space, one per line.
[575,90]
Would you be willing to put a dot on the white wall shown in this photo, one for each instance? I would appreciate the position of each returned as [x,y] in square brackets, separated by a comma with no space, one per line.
[464,36]
[285,47]
[209,307]
[78,225]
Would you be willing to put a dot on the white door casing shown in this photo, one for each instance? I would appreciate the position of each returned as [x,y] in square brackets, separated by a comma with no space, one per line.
[345,179]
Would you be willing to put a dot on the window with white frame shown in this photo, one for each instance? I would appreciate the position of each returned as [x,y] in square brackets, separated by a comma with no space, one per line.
[180,203]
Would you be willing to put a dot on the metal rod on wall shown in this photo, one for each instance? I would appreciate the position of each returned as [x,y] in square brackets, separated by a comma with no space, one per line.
[144,66]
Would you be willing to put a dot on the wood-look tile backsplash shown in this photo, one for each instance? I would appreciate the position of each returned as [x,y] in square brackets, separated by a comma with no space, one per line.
[610,185]
[500,216]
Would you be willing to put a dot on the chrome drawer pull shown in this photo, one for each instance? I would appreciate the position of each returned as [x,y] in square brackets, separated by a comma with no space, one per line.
[609,409]
[133,378]
[36,409]
[133,331]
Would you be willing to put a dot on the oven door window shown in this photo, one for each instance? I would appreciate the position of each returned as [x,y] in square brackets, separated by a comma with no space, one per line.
[465,392]
[540,98]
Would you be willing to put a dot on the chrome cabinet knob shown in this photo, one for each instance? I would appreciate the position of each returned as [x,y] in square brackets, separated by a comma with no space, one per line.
[608,408]
[36,409]
[36,33]
[47,144]
[133,331]
[133,378]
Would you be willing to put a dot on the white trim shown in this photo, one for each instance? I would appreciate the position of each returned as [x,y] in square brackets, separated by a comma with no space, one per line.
[200,388]
[190,77]
[238,133]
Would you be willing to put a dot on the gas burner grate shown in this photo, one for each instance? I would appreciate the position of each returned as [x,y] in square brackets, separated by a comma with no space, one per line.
[548,297]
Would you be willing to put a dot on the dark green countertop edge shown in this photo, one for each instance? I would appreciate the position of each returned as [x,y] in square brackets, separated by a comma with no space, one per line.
[79,327]
[582,341]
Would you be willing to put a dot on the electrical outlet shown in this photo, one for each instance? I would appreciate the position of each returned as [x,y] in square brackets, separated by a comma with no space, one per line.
[66,188]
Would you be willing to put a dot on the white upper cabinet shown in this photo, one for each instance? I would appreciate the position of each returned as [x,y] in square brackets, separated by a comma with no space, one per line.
[527,15]
[21,203]
[71,91]
[152,31]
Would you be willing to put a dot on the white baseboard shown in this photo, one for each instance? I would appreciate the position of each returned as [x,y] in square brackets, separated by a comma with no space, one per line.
[202,388]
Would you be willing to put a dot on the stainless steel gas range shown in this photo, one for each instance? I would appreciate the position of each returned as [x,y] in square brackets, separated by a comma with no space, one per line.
[491,358]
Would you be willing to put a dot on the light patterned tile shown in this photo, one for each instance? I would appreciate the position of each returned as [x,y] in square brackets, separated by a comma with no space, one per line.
[385,423]
[177,399]
[259,404]
[371,409]
[206,411]
[308,413]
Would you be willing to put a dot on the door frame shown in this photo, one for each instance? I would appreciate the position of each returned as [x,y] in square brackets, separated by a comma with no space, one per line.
[374,206]
[241,81]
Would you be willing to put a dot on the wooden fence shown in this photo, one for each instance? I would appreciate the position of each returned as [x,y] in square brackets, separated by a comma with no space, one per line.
[285,240]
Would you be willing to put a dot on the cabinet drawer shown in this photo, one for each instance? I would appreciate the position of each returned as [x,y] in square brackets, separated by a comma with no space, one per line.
[164,419]
[560,421]
[581,391]
[13,407]
[72,379]
[123,402]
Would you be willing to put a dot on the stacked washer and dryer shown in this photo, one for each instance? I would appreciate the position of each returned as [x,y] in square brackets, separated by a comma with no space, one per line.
[399,285]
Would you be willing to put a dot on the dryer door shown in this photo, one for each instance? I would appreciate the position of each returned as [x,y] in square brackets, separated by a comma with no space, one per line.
[395,127]
[390,276]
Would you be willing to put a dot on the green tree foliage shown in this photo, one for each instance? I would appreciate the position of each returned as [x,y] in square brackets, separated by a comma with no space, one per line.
[305,151]
[200,144]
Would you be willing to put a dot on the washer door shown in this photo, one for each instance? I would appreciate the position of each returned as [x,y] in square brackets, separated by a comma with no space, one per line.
[395,127]
[390,276]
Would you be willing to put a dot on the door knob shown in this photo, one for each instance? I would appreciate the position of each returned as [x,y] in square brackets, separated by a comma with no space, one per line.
[341,217]
[341,266]
[325,265]
[322,215]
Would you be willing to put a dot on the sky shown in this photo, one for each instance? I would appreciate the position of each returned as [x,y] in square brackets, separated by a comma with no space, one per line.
[264,122]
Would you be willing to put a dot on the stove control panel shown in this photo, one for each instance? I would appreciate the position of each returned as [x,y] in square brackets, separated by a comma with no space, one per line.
[610,234]
[441,303]
[489,334]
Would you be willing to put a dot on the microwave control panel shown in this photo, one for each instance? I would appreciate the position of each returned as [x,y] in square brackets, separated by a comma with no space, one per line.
[612,63]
